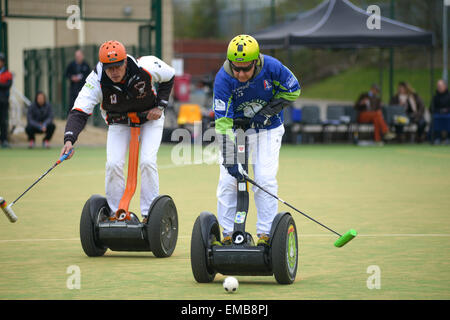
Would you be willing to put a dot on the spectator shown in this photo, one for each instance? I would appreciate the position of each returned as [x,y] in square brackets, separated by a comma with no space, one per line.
[368,107]
[440,109]
[5,86]
[77,72]
[414,108]
[40,120]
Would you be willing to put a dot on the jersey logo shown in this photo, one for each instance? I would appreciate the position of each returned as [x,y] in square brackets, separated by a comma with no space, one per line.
[140,87]
[267,85]
[219,105]
[250,108]
[113,98]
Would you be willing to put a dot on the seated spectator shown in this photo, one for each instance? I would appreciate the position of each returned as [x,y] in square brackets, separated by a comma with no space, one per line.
[40,120]
[440,109]
[368,107]
[414,108]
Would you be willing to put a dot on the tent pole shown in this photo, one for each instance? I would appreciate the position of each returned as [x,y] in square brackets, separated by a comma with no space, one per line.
[381,72]
[273,20]
[431,92]
[391,73]
[391,57]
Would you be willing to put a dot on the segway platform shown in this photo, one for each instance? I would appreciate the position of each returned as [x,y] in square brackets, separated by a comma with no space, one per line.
[124,235]
[241,260]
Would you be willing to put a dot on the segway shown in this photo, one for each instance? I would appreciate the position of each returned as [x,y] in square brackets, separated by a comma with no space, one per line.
[243,257]
[101,229]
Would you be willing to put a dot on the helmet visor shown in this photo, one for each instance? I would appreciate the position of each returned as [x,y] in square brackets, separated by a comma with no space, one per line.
[113,64]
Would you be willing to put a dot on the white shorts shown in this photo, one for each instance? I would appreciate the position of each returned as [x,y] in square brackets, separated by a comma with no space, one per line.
[264,150]
[116,151]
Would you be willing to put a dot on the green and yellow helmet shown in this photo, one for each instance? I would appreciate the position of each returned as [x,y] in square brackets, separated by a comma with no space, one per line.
[243,48]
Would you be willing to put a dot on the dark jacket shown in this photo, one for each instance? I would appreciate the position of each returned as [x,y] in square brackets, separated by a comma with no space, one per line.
[441,102]
[39,116]
[420,107]
[374,102]
[73,69]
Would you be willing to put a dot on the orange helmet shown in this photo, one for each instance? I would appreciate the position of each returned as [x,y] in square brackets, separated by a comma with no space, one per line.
[112,53]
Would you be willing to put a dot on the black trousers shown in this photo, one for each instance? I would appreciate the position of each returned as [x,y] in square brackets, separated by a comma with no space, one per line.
[4,116]
[31,131]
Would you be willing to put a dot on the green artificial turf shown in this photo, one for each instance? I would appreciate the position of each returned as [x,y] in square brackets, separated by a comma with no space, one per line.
[395,196]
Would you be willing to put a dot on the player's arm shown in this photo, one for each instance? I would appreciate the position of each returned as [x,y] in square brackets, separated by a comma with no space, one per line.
[89,96]
[287,89]
[164,75]
[286,84]
[224,114]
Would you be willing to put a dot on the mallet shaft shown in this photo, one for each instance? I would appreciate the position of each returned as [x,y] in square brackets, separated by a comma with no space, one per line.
[290,206]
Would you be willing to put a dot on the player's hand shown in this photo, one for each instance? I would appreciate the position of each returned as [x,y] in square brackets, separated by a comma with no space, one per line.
[66,149]
[259,121]
[154,114]
[235,171]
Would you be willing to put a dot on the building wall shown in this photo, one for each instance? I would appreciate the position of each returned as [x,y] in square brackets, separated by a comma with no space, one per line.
[50,33]
[24,34]
[202,57]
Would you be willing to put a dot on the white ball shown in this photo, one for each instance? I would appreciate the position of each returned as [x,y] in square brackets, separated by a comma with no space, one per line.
[230,284]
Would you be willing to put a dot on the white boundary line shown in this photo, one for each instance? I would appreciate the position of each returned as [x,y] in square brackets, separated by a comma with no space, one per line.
[393,235]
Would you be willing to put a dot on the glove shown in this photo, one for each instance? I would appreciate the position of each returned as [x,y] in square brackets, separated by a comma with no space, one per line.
[262,118]
[234,171]
[259,121]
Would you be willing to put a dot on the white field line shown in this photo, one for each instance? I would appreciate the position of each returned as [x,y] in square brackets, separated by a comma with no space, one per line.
[393,235]
[88,173]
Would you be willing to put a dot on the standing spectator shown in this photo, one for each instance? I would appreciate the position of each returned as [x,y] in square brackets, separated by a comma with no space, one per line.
[414,108]
[5,86]
[77,72]
[368,107]
[40,120]
[440,109]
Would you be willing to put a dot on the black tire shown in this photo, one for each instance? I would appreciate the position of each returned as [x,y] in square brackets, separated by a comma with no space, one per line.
[162,227]
[88,226]
[199,259]
[284,251]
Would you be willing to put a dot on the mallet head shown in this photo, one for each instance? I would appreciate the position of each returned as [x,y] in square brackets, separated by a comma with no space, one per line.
[7,210]
[348,236]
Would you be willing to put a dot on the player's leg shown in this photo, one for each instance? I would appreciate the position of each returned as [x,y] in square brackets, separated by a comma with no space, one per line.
[116,149]
[265,157]
[151,135]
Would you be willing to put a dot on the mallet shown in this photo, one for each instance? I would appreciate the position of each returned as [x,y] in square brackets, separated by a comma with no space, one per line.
[343,239]
[7,208]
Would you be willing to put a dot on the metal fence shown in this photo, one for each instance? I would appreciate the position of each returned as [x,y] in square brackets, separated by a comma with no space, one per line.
[45,71]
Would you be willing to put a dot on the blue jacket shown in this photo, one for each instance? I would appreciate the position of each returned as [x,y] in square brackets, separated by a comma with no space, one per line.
[234,99]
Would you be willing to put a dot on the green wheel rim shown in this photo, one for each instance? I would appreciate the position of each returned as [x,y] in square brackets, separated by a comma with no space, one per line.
[291,253]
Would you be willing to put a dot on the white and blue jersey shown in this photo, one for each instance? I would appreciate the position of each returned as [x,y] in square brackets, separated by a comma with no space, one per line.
[234,99]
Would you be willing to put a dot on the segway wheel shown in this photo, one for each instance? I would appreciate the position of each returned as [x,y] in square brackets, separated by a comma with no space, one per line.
[284,251]
[88,226]
[162,226]
[199,260]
